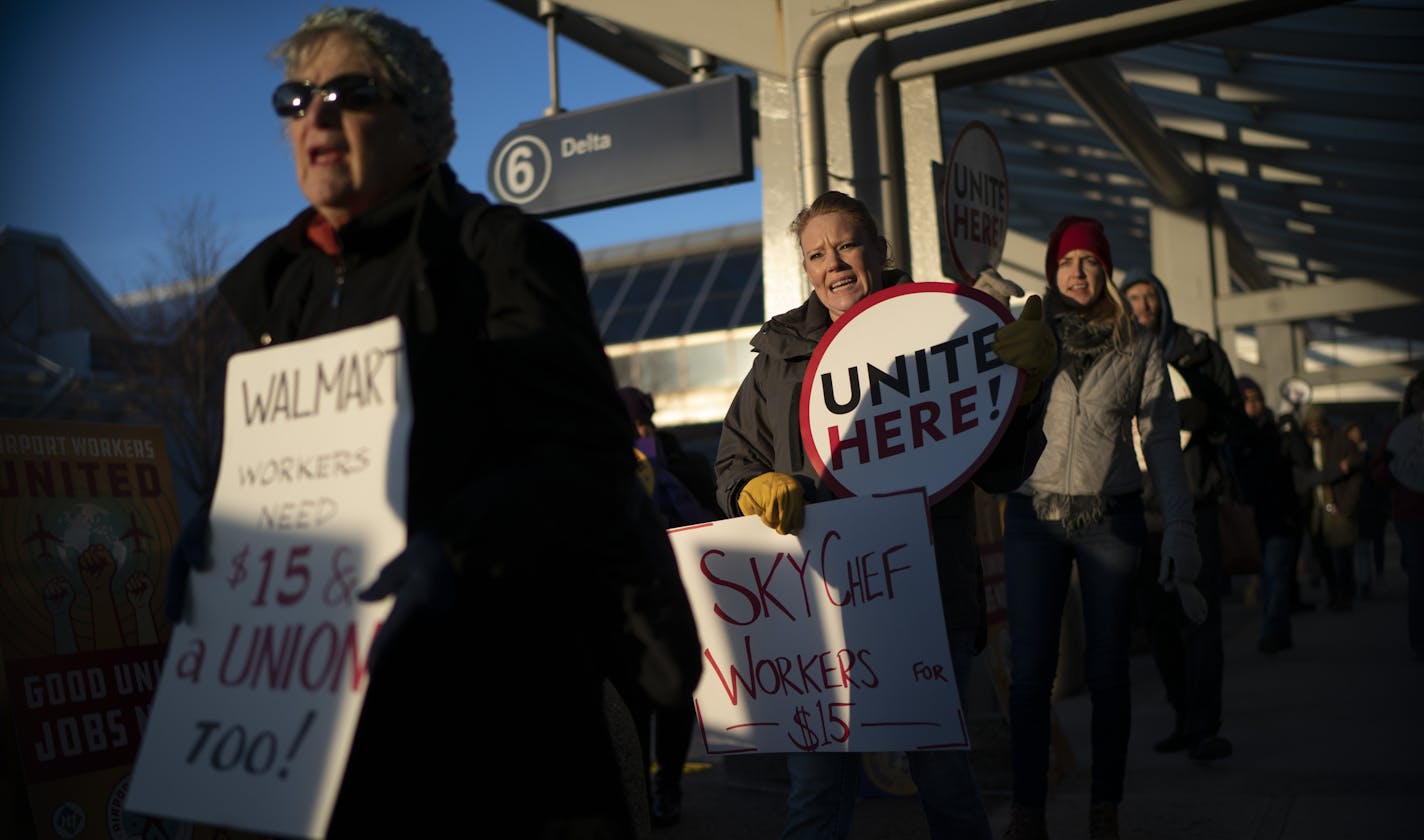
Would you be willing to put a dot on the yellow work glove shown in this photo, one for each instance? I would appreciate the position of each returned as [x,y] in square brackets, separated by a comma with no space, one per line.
[777,498]
[1028,344]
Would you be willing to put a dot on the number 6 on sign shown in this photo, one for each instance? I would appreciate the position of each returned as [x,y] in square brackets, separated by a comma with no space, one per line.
[520,170]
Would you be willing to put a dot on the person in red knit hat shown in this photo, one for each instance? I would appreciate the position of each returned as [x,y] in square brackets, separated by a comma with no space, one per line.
[1083,506]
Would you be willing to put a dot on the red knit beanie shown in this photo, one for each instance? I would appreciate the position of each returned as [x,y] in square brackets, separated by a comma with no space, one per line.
[1071,234]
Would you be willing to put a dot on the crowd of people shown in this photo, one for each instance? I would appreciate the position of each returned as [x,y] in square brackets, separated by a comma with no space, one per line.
[496,299]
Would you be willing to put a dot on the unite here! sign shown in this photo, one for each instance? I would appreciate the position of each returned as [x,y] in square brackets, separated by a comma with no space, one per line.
[252,722]
[976,201]
[905,392]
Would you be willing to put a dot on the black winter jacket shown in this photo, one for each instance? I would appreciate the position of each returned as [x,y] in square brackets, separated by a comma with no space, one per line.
[1214,414]
[521,463]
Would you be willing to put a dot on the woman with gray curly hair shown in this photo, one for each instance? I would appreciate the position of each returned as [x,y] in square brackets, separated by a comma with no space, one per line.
[386,117]
[504,629]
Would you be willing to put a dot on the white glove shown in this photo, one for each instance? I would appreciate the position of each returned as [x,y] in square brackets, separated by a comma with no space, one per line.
[1181,562]
[993,284]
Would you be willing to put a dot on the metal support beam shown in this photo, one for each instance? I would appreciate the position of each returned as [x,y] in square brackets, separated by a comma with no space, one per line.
[549,14]
[1104,94]
[1342,374]
[1305,302]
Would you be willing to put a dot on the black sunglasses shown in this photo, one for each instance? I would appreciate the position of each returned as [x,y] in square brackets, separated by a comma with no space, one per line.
[350,92]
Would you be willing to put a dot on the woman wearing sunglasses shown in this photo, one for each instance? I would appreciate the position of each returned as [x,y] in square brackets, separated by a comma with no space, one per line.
[509,603]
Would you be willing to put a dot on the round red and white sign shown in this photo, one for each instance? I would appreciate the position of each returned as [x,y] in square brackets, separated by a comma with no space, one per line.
[905,392]
[976,201]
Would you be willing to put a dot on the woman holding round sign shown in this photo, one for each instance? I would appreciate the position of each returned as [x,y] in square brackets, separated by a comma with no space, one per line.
[763,469]
[1083,505]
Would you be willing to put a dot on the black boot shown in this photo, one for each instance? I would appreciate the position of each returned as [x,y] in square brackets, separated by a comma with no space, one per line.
[667,802]
[1102,821]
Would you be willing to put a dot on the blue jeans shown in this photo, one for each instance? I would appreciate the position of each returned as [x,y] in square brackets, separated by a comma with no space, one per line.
[1038,561]
[824,786]
[1278,558]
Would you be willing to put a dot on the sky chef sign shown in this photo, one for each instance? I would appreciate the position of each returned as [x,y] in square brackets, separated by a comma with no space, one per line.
[904,392]
[828,640]
[976,201]
[252,722]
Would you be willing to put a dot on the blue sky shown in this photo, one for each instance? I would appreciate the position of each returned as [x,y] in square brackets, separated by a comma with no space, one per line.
[119,112]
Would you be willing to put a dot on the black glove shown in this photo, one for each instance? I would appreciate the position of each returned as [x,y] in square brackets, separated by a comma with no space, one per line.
[423,581]
[191,552]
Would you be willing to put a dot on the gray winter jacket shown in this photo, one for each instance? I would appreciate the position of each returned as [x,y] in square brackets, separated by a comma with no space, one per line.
[1089,430]
[762,433]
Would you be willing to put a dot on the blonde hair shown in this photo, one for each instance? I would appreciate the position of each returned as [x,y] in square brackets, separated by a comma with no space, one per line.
[834,201]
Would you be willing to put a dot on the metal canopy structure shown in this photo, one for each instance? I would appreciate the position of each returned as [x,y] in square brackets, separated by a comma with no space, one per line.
[1296,126]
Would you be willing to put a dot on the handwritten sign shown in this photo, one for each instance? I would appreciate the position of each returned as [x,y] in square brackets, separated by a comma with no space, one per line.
[829,640]
[976,201]
[253,718]
[904,391]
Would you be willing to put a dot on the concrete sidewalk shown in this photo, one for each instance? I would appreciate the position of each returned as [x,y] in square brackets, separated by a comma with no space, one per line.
[1328,736]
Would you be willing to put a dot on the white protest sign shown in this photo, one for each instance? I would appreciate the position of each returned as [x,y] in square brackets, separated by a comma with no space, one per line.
[829,640]
[252,722]
[904,391]
[976,201]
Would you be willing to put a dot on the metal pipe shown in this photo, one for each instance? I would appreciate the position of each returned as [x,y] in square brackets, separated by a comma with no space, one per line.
[890,141]
[549,13]
[816,44]
[1071,41]
[701,64]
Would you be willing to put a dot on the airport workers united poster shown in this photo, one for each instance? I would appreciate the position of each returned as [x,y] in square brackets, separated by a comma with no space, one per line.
[87,522]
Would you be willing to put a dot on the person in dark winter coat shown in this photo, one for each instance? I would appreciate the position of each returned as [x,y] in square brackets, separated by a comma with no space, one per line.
[684,489]
[1295,449]
[509,609]
[1399,465]
[1189,654]
[1268,485]
[763,469]
[1334,481]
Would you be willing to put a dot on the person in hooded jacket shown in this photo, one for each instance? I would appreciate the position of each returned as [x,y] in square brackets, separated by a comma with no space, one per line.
[509,609]
[1189,654]
[1083,506]
[763,470]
